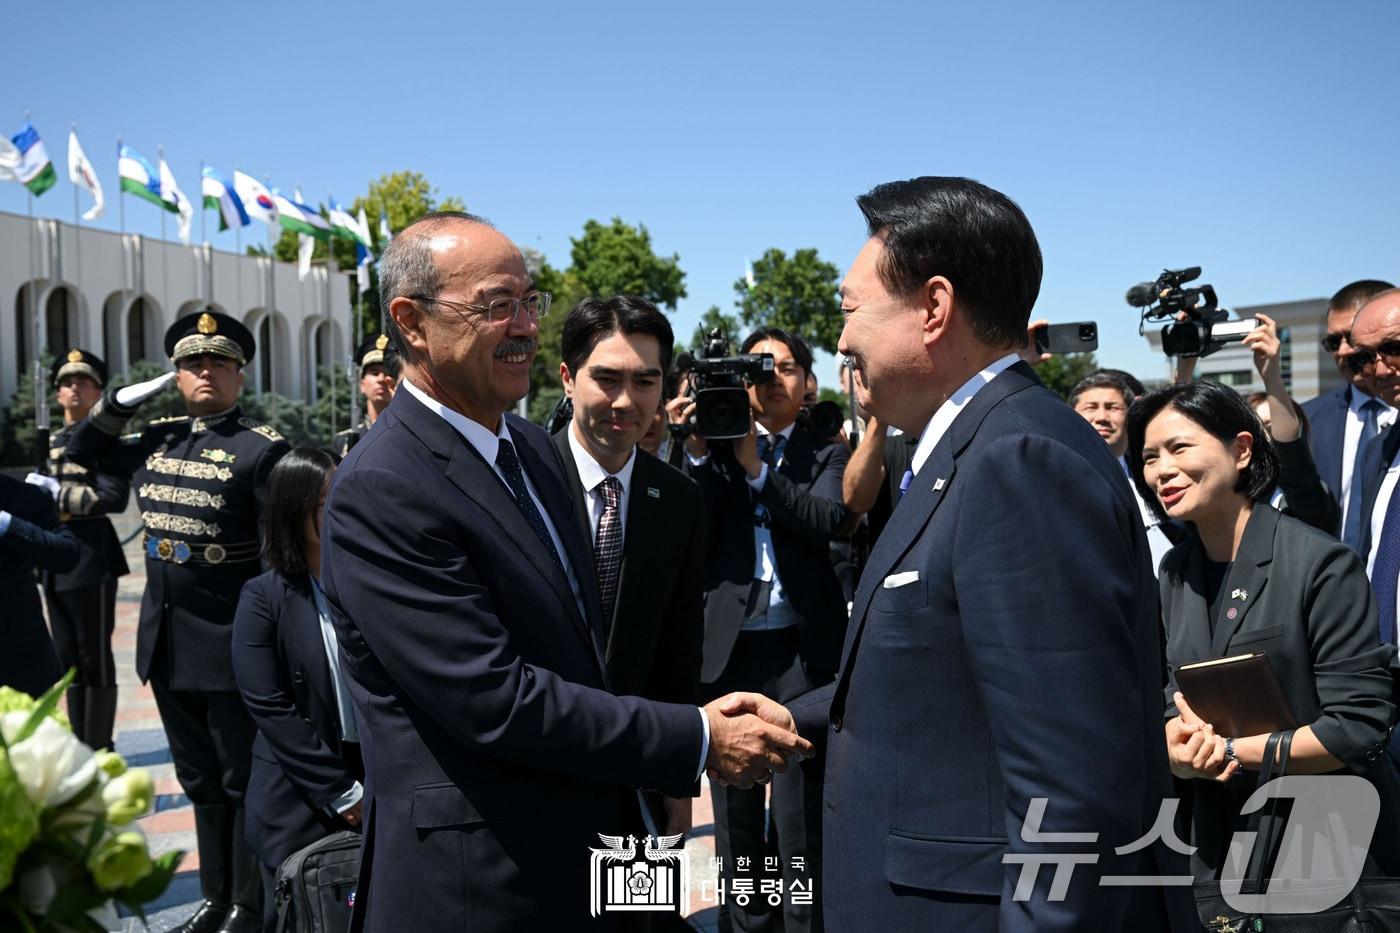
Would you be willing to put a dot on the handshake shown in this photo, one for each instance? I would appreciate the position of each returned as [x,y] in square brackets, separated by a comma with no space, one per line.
[751,739]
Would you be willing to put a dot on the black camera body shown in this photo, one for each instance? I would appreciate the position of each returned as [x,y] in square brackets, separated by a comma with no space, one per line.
[1205,329]
[719,384]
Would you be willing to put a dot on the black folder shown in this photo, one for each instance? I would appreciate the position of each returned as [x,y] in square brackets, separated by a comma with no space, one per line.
[1239,695]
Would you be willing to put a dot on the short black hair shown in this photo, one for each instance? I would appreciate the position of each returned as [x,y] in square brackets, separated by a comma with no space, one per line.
[801,353]
[1223,414]
[293,489]
[593,319]
[977,238]
[1103,379]
[1132,382]
[1352,296]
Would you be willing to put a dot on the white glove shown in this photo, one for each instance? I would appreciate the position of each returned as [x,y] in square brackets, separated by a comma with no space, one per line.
[48,482]
[131,396]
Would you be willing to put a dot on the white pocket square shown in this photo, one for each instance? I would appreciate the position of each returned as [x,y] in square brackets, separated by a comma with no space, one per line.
[901,579]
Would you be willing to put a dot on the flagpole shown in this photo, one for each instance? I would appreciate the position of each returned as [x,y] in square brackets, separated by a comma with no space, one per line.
[121,210]
[77,228]
[208,255]
[238,251]
[41,399]
[164,254]
[271,303]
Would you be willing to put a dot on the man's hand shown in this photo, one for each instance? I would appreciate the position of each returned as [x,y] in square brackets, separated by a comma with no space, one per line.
[759,737]
[1263,340]
[1028,352]
[134,395]
[746,451]
[679,410]
[678,818]
[45,482]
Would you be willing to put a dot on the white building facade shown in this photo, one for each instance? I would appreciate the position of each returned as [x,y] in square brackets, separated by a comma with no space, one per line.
[115,295]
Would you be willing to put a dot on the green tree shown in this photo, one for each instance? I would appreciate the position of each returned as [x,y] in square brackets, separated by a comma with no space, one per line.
[617,259]
[1062,373]
[17,433]
[713,318]
[797,294]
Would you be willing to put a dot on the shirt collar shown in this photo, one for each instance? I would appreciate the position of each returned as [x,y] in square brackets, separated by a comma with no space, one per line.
[785,432]
[590,472]
[1357,398]
[943,418]
[486,442]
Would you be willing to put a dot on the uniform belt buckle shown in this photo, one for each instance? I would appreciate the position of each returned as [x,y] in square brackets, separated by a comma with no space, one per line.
[214,553]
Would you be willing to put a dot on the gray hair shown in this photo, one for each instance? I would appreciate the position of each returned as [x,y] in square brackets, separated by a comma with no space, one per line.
[407,268]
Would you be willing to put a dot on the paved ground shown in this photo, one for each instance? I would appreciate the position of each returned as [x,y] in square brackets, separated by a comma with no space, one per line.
[141,740]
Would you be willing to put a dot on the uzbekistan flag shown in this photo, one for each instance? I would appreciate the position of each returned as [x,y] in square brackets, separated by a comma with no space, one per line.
[138,177]
[299,218]
[35,170]
[219,195]
[342,224]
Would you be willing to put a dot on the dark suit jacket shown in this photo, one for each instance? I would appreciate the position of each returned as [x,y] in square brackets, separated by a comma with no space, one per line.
[1307,604]
[1327,422]
[654,636]
[34,540]
[298,770]
[495,751]
[85,499]
[803,497]
[1003,647]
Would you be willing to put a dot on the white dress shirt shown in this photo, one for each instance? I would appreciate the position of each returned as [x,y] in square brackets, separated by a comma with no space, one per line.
[1351,436]
[591,475]
[487,443]
[765,561]
[938,425]
[1157,541]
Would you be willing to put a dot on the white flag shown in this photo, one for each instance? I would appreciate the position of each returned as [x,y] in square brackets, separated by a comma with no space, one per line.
[81,174]
[10,160]
[362,254]
[306,245]
[171,194]
[257,200]
[748,274]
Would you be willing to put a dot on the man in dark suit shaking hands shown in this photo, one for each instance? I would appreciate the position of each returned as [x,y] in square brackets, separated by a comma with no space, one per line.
[469,614]
[642,517]
[1003,645]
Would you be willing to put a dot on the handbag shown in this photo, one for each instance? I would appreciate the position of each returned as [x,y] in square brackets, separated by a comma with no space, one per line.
[315,890]
[1372,905]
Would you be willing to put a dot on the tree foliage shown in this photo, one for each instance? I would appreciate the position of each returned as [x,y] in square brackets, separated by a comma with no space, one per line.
[617,259]
[796,293]
[714,318]
[1062,373]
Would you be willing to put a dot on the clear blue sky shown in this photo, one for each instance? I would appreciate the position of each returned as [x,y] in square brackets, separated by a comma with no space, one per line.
[1259,140]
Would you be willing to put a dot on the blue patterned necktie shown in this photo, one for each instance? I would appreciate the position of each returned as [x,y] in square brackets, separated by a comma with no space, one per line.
[1385,573]
[515,479]
[770,451]
[904,482]
[1351,528]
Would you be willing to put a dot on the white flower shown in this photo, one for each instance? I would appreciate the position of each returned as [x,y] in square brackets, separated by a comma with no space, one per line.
[52,765]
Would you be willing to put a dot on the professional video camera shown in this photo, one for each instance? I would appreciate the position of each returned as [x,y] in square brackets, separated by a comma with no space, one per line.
[718,384]
[1205,328]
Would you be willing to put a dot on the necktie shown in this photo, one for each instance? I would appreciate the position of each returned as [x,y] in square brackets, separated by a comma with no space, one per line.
[607,547]
[904,482]
[1351,527]
[515,479]
[770,451]
[1386,571]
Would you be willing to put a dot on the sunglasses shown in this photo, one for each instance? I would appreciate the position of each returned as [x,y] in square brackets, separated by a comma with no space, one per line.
[1362,359]
[1333,342]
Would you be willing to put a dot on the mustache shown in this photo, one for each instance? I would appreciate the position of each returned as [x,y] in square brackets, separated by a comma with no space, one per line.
[514,345]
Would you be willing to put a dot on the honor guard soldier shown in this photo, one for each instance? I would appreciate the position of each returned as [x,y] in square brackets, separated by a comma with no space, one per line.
[199,482]
[379,377]
[83,601]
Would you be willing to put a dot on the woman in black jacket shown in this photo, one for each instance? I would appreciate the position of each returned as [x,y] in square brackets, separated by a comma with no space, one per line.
[1250,579]
[307,771]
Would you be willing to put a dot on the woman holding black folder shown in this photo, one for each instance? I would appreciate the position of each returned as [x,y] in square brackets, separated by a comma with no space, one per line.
[1251,580]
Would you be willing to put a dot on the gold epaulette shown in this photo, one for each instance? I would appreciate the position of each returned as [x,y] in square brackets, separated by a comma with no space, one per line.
[259,428]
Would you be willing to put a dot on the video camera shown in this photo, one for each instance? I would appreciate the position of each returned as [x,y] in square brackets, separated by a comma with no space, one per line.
[718,383]
[1205,328]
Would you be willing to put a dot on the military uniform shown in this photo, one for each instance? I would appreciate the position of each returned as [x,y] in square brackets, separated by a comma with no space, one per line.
[372,351]
[199,483]
[82,602]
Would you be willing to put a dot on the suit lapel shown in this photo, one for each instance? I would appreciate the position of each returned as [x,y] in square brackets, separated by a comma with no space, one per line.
[301,620]
[1247,577]
[575,484]
[1193,604]
[644,516]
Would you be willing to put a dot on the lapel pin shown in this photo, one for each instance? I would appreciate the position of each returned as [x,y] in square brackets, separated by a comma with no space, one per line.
[653,492]
[1240,595]
[1232,613]
[939,484]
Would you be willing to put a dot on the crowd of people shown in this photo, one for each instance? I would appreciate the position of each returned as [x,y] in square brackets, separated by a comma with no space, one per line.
[482,646]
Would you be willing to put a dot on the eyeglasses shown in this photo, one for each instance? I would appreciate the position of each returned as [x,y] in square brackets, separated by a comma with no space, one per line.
[1363,359]
[535,304]
[1333,342]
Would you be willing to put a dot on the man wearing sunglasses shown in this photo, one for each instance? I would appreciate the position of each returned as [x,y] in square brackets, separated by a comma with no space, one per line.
[1343,421]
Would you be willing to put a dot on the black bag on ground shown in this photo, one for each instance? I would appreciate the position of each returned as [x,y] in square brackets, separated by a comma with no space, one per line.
[316,886]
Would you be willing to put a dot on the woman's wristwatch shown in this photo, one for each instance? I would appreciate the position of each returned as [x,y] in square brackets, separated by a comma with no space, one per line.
[1230,751]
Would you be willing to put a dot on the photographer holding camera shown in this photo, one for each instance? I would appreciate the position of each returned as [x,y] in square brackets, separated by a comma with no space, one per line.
[775,615]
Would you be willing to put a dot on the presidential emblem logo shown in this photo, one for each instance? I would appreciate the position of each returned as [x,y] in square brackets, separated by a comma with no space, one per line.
[656,880]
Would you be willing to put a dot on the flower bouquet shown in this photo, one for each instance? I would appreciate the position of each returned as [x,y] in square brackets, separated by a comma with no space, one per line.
[69,853]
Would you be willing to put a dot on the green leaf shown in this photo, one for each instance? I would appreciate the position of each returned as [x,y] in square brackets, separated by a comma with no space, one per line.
[46,705]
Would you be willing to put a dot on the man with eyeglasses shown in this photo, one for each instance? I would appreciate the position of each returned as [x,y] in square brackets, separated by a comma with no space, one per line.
[1342,422]
[469,614]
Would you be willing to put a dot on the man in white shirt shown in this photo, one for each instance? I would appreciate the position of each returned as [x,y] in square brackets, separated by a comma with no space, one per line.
[642,517]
